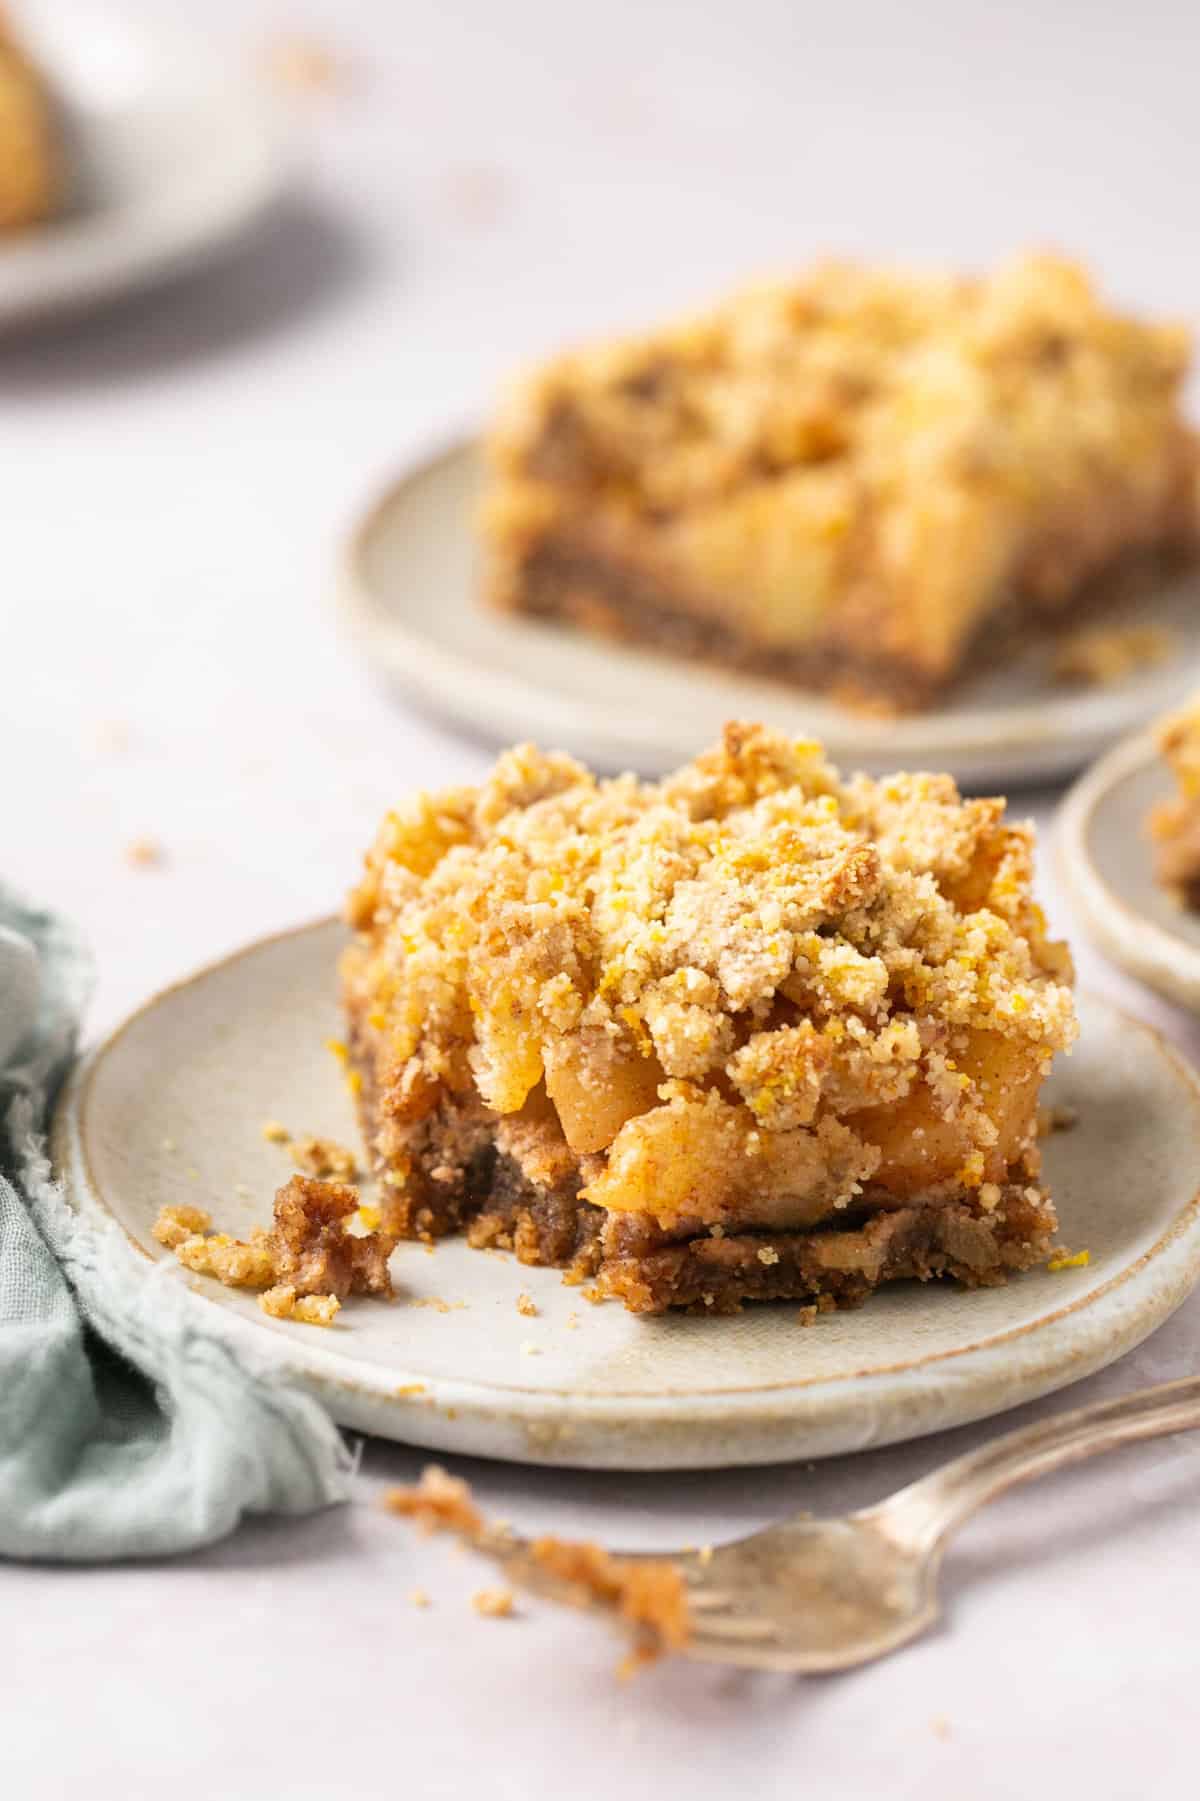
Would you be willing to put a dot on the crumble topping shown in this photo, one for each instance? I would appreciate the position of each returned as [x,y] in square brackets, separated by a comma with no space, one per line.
[306,1264]
[850,377]
[752,985]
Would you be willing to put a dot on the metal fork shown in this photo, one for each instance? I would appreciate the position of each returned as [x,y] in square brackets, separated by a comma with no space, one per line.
[810,1595]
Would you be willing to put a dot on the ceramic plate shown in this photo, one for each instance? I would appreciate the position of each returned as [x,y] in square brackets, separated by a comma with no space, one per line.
[170,152]
[411,592]
[171,1108]
[1107,864]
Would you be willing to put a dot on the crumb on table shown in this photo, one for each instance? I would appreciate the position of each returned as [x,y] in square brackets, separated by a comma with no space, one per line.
[526,1305]
[304,65]
[144,853]
[650,1597]
[274,1133]
[440,1502]
[493,1603]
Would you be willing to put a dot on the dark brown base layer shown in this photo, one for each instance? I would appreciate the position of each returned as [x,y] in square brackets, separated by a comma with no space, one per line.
[462,1180]
[614,601]
[610,599]
[840,1267]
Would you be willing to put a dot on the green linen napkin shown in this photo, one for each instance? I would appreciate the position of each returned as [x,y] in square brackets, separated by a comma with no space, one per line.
[128,1426]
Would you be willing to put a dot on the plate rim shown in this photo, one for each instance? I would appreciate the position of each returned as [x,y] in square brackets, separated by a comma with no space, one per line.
[1009,744]
[1141,947]
[363,1394]
[104,270]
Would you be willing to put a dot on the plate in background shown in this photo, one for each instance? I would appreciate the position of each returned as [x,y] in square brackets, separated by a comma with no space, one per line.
[171,151]
[411,594]
[171,1108]
[1107,864]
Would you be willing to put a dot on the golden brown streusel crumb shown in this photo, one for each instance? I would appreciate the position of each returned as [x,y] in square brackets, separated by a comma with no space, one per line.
[940,1726]
[323,1157]
[316,1309]
[1100,655]
[526,1305]
[144,853]
[175,1224]
[283,1302]
[493,1603]
[279,1302]
[419,1597]
[274,1133]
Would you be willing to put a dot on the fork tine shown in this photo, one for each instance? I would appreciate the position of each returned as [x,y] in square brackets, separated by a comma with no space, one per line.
[735,1629]
[708,1600]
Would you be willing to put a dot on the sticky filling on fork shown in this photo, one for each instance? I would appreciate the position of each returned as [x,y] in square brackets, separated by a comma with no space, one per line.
[751,1032]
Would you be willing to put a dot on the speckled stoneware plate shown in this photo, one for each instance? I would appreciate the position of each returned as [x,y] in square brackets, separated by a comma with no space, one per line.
[171,1108]
[411,594]
[1107,864]
[170,150]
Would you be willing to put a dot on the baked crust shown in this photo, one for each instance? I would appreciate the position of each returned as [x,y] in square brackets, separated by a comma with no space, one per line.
[843,480]
[750,1032]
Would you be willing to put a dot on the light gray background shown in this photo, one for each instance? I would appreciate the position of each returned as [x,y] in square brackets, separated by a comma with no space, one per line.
[176,476]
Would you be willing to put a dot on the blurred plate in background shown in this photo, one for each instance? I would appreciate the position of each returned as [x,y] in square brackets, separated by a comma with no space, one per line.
[171,152]
[1106,859]
[411,594]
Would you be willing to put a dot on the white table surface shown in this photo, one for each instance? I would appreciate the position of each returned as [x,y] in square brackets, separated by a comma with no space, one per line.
[176,478]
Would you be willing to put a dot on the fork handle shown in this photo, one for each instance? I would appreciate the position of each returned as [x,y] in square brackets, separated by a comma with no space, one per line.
[925,1514]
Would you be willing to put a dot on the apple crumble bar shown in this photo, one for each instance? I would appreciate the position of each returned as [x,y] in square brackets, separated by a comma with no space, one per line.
[751,1032]
[29,172]
[1175,824]
[843,480]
